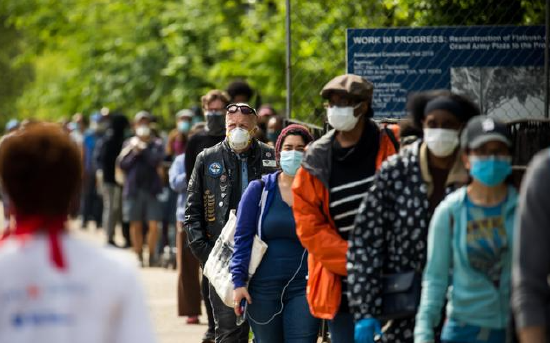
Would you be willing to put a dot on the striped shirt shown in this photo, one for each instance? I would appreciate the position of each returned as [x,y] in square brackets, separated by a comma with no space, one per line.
[344,203]
[351,175]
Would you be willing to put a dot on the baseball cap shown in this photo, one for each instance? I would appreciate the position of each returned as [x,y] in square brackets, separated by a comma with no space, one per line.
[354,85]
[483,129]
[184,113]
[143,115]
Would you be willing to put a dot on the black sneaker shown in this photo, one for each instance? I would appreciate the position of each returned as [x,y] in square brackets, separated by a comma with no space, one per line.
[113,244]
[209,337]
[152,261]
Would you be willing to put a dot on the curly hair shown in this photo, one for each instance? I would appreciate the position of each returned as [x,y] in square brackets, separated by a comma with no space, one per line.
[240,87]
[40,169]
[214,94]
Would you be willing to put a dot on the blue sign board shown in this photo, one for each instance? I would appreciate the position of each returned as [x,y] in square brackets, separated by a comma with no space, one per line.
[402,60]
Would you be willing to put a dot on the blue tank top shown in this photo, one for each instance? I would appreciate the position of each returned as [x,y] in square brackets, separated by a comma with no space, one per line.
[283,256]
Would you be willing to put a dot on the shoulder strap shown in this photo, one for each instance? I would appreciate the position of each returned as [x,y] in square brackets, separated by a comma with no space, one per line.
[261,205]
[392,137]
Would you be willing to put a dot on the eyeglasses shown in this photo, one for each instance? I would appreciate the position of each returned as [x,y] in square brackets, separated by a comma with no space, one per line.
[244,108]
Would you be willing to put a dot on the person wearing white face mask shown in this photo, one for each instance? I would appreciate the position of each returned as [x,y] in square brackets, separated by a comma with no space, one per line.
[213,106]
[471,243]
[140,158]
[219,178]
[335,174]
[278,309]
[392,223]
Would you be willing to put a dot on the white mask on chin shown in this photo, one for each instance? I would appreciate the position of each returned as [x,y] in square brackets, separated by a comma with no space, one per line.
[441,142]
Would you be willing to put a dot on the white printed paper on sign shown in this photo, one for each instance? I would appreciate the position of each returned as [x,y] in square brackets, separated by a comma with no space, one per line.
[269,163]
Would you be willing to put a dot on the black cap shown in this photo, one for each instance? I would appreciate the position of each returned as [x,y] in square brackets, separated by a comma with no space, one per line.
[483,129]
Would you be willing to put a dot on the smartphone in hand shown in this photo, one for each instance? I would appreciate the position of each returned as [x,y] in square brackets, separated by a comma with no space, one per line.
[243,307]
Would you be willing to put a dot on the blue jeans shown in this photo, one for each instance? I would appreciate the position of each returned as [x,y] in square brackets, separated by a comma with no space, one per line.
[458,332]
[294,325]
[342,328]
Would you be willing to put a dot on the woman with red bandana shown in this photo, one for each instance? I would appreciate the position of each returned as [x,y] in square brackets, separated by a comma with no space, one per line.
[54,287]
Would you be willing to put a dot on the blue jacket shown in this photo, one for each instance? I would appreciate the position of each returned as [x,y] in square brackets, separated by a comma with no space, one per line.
[178,182]
[472,297]
[250,216]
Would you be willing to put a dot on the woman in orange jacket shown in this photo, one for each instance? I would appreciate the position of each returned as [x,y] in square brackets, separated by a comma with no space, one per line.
[336,172]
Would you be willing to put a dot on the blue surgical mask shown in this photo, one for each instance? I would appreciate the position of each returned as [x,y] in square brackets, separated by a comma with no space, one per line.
[490,170]
[290,161]
[184,126]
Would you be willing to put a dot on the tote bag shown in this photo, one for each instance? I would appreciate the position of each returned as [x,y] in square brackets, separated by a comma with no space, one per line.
[216,268]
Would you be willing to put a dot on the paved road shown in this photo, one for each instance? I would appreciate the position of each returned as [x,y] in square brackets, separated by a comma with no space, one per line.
[160,286]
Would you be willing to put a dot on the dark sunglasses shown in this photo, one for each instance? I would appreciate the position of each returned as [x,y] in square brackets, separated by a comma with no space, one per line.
[244,108]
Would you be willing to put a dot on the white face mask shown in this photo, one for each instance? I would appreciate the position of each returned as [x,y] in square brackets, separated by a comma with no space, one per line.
[441,142]
[239,139]
[143,131]
[342,118]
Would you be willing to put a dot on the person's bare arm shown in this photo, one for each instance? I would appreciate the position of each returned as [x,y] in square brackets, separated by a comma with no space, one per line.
[532,334]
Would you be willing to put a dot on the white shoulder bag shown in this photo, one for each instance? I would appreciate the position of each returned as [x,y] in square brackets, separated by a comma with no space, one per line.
[216,268]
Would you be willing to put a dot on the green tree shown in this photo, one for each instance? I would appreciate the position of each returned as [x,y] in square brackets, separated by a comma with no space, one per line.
[64,56]
[15,72]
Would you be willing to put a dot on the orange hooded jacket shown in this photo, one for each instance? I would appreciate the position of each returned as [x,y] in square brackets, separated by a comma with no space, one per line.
[315,227]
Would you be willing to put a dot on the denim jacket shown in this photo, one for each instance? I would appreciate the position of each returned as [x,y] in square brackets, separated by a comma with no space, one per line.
[178,182]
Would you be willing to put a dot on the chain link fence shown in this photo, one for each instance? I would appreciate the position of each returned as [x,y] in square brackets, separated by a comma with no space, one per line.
[506,78]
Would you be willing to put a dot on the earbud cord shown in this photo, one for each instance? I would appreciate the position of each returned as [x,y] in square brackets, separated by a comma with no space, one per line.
[282,296]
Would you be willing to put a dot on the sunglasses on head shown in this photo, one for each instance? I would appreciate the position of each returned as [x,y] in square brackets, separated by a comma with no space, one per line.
[244,108]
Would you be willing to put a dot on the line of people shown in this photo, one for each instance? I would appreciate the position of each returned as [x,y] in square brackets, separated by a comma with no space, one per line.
[388,238]
[414,246]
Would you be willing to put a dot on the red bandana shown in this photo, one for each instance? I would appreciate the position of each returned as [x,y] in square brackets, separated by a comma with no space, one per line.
[29,225]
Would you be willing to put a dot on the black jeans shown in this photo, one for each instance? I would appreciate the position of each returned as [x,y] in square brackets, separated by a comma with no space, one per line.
[227,330]
[205,289]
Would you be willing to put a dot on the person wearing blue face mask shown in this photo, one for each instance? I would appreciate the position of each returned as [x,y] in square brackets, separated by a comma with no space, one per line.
[178,137]
[470,244]
[387,245]
[278,310]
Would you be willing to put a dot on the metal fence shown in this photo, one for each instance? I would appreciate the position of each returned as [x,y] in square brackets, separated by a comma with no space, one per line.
[316,51]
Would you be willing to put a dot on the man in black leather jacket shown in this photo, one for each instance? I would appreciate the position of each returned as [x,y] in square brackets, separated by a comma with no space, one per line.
[220,176]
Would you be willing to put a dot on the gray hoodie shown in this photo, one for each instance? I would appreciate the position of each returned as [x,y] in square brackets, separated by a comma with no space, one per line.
[531,266]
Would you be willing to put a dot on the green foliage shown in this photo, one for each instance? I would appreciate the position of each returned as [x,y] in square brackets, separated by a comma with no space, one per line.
[63,56]
[15,72]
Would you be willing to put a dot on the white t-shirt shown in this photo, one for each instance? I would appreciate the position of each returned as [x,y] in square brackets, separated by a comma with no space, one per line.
[97,299]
